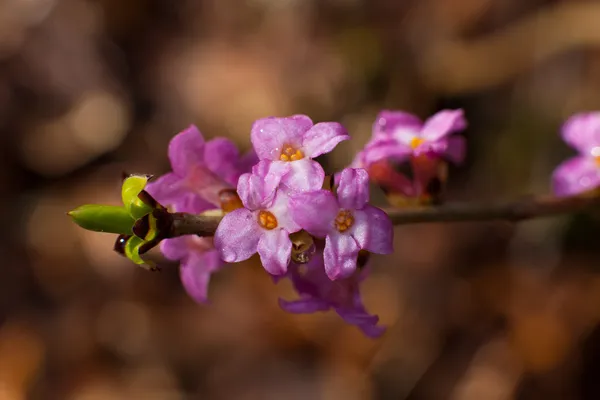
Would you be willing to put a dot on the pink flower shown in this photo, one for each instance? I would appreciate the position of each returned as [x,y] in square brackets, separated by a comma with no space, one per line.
[398,135]
[198,260]
[295,141]
[200,171]
[319,293]
[347,222]
[264,224]
[581,173]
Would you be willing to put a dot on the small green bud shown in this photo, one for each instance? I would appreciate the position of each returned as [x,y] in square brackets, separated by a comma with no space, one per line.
[101,218]
[133,185]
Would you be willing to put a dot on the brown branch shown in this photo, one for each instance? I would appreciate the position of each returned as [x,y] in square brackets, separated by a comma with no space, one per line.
[191,224]
[527,208]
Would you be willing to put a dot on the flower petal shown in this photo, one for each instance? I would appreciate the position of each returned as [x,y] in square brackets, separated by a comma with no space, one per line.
[247,161]
[221,157]
[322,138]
[340,254]
[167,189]
[257,189]
[574,176]
[195,273]
[389,121]
[456,149]
[271,174]
[171,190]
[314,211]
[364,321]
[250,190]
[373,230]
[443,123]
[237,236]
[268,135]
[386,176]
[178,248]
[582,132]
[379,150]
[275,248]
[303,306]
[281,210]
[353,189]
[193,203]
[174,249]
[186,150]
[305,175]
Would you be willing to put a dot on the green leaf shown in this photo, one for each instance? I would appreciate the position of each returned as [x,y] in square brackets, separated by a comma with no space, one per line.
[101,218]
[132,186]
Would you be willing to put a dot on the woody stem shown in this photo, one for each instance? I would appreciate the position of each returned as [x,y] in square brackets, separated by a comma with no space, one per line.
[512,211]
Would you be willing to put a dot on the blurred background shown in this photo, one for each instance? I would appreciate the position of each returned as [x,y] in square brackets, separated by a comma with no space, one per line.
[89,89]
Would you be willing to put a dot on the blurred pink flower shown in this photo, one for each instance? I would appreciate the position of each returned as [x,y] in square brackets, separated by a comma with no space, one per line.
[580,173]
[398,135]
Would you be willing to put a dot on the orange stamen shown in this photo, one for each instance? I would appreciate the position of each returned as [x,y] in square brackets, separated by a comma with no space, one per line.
[289,153]
[267,220]
[344,221]
[415,142]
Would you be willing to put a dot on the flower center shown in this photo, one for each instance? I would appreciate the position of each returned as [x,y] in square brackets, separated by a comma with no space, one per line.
[267,220]
[290,153]
[415,142]
[344,220]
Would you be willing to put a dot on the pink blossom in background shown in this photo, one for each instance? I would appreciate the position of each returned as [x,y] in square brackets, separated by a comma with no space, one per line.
[398,135]
[582,172]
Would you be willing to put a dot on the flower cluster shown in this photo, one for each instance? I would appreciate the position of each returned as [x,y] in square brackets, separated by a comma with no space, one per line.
[277,202]
[201,171]
[281,193]
[399,137]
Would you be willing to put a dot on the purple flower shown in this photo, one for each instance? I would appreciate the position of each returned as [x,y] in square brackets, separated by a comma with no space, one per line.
[263,225]
[581,173]
[295,141]
[198,259]
[200,171]
[319,293]
[398,135]
[347,222]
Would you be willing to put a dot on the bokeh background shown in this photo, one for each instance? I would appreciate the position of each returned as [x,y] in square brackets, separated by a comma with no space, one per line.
[478,311]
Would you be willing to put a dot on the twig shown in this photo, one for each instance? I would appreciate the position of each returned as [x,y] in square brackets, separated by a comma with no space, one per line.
[527,208]
[191,224]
